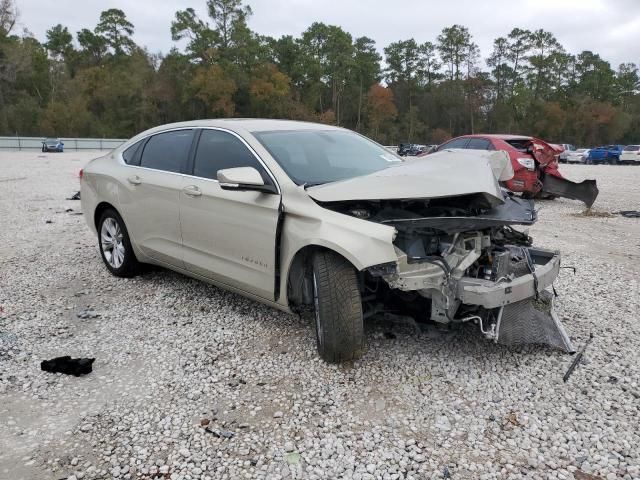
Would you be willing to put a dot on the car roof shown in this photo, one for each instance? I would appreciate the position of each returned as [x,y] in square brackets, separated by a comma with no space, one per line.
[496,136]
[250,124]
[499,136]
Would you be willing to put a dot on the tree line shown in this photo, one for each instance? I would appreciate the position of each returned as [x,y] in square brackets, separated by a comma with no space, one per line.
[100,83]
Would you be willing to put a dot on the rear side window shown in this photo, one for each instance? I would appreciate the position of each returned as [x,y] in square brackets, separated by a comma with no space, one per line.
[455,143]
[632,148]
[478,144]
[218,150]
[167,151]
[130,155]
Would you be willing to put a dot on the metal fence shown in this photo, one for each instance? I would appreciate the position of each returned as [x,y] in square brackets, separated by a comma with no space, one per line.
[31,143]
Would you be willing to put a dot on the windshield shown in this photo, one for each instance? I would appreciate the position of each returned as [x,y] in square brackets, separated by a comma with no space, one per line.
[52,140]
[632,148]
[313,157]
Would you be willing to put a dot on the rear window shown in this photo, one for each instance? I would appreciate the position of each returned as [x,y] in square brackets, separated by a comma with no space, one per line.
[519,144]
[479,144]
[167,151]
[455,143]
[632,148]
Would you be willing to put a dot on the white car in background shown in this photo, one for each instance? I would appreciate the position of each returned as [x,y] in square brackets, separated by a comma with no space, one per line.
[567,149]
[630,154]
[578,156]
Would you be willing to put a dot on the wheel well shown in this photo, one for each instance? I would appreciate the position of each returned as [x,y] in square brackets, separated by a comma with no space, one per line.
[299,284]
[102,206]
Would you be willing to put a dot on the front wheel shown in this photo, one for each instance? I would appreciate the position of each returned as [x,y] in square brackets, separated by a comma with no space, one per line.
[115,246]
[338,308]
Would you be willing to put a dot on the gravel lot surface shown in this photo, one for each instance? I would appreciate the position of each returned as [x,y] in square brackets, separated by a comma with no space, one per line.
[192,382]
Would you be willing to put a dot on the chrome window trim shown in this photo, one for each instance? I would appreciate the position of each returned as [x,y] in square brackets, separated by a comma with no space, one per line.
[226,130]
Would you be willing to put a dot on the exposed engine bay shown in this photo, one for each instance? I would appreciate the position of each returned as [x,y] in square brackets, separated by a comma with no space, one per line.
[459,260]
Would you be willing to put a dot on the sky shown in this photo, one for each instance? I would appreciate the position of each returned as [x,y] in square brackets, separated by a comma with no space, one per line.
[608,27]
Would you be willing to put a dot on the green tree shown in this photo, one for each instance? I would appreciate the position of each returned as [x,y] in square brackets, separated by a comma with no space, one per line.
[59,42]
[454,45]
[366,70]
[93,47]
[116,31]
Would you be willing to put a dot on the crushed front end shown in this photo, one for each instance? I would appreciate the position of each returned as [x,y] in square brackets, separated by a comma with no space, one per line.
[457,264]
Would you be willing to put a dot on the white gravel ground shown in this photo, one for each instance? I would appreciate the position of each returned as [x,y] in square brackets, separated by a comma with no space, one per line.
[173,355]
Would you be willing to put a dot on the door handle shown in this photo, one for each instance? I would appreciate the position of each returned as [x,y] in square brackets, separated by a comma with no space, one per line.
[134,180]
[192,191]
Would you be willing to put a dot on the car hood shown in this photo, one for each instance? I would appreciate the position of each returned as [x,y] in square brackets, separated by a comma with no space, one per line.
[450,173]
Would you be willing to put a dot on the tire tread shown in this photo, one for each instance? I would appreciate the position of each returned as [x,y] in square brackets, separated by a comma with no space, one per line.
[340,308]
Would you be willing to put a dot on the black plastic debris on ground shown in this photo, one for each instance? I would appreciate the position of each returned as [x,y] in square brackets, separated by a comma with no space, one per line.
[630,213]
[75,196]
[68,365]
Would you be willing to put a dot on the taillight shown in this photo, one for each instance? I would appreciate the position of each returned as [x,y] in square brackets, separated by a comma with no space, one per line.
[80,173]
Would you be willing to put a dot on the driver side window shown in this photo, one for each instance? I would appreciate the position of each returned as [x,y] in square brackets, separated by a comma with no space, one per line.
[218,150]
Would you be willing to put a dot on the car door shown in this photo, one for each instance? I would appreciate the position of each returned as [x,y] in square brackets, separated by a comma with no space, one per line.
[228,235]
[150,194]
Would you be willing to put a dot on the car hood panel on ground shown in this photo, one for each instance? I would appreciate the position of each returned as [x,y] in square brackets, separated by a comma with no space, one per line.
[443,174]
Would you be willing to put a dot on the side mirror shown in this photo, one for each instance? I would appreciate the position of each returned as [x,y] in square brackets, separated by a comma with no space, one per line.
[243,179]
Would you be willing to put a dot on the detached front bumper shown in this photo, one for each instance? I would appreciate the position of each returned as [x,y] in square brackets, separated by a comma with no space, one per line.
[490,294]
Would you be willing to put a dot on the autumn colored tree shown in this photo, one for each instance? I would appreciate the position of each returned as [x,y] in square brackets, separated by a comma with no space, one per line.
[215,89]
[380,108]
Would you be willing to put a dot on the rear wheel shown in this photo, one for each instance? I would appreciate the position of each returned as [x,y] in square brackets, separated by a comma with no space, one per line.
[115,246]
[337,307]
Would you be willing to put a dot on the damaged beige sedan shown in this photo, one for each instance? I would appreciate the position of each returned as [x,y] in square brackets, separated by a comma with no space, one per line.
[302,216]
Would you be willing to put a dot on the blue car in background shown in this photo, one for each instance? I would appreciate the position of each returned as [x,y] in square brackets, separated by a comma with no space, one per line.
[605,154]
[52,145]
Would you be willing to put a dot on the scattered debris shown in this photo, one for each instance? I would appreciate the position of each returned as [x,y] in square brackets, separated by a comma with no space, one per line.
[68,365]
[68,210]
[590,212]
[577,359]
[48,221]
[204,422]
[512,418]
[88,313]
[629,213]
[13,179]
[292,458]
[442,423]
[75,196]
[580,475]
[220,433]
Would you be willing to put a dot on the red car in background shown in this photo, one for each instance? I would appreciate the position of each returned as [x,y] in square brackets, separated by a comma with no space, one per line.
[535,166]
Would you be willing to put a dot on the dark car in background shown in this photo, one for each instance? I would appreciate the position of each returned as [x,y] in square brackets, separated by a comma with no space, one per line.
[52,145]
[411,149]
[535,166]
[605,154]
